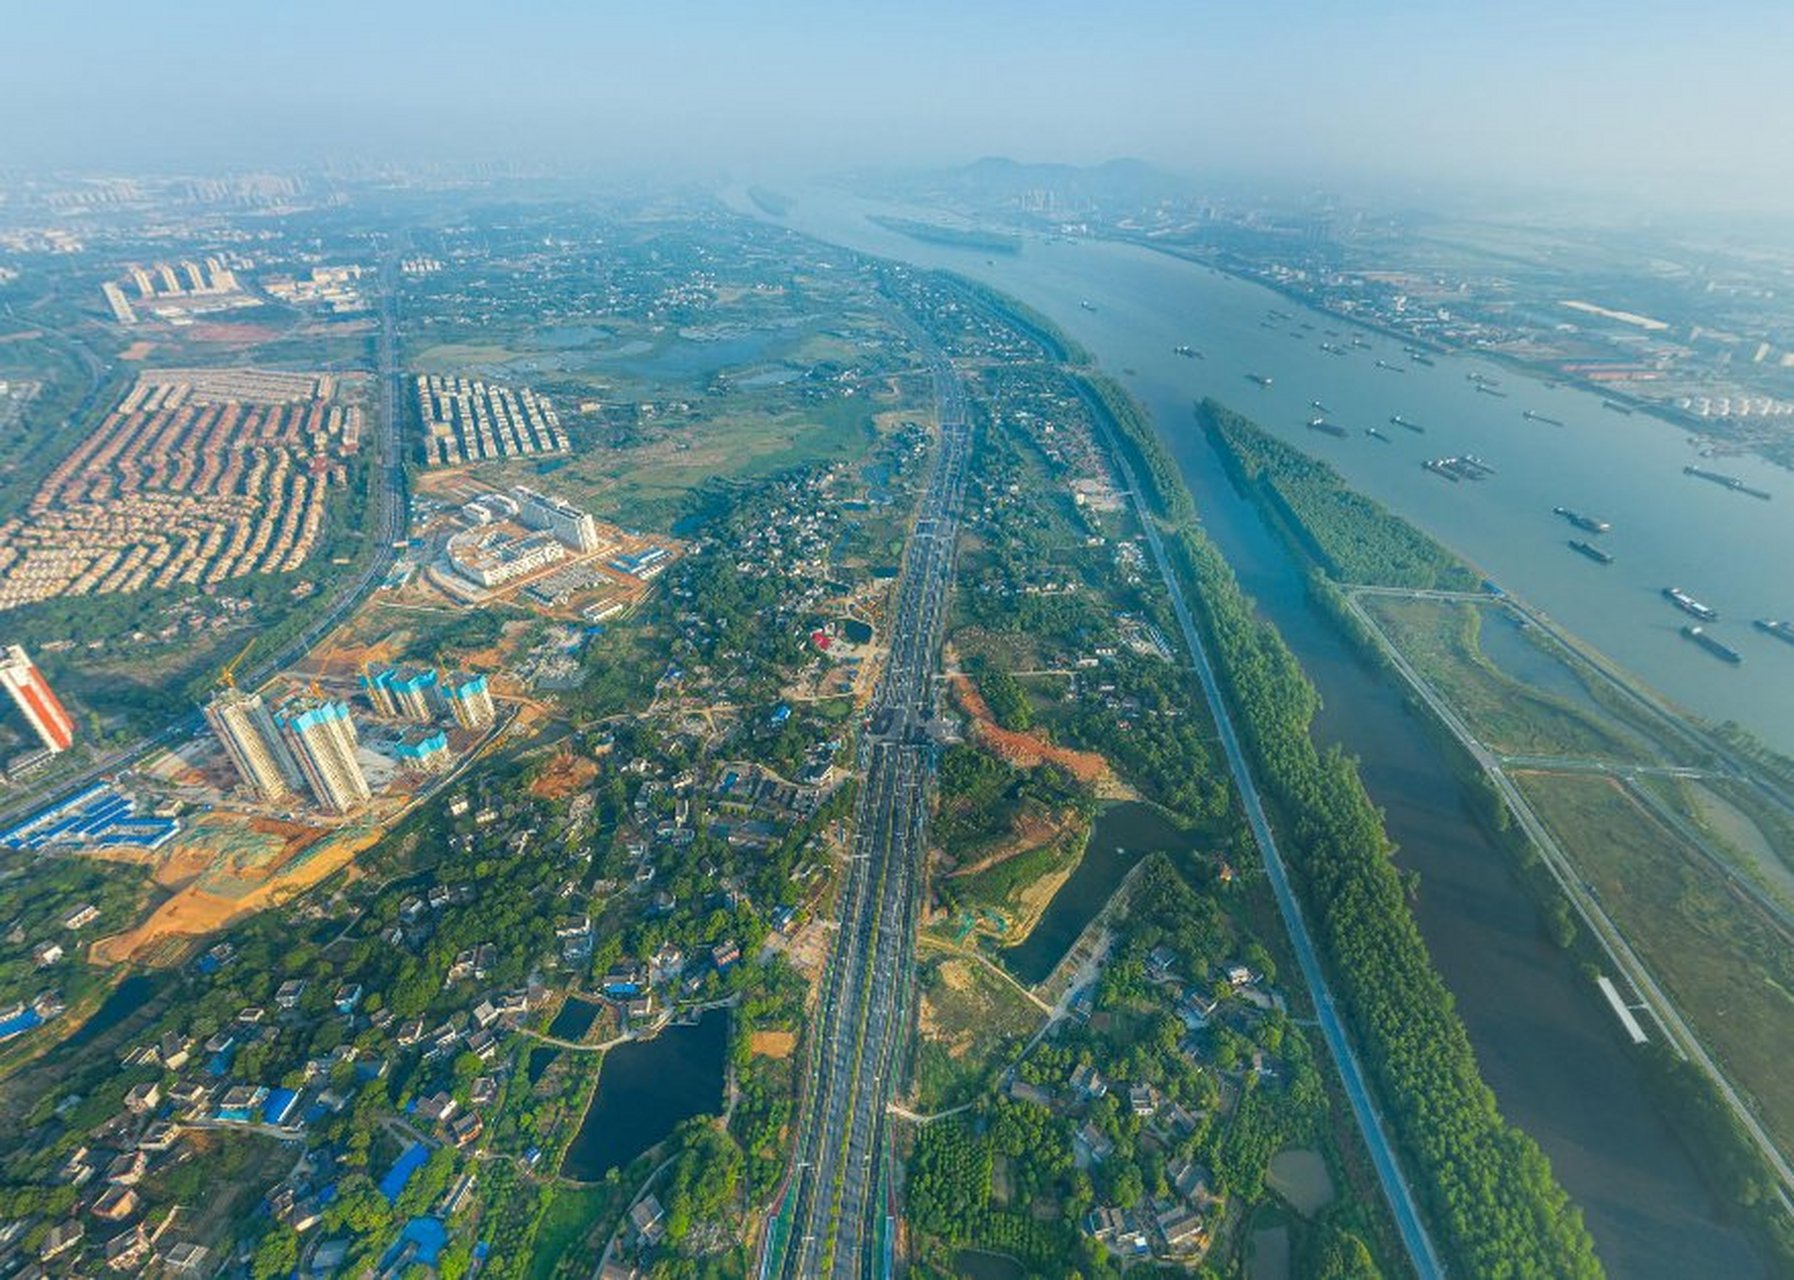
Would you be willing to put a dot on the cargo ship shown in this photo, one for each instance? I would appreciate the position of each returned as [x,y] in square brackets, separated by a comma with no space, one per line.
[1333,348]
[1185,349]
[1330,428]
[1590,550]
[1417,358]
[1318,407]
[1478,467]
[1617,407]
[1487,390]
[1384,364]
[1718,648]
[1581,521]
[1532,415]
[1262,379]
[1688,604]
[1087,305]
[1724,481]
[1374,434]
[1779,629]
[1400,421]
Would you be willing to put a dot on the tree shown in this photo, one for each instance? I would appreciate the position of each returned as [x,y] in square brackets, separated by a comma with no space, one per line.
[276,1255]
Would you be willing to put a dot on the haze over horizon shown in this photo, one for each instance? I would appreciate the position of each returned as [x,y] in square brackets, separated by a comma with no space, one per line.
[1664,103]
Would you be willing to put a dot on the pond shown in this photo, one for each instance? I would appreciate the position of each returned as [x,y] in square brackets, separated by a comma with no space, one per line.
[574,1019]
[976,1264]
[645,1090]
[129,996]
[1121,835]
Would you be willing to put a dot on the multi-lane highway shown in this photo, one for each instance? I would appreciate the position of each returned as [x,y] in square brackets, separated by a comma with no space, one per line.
[827,1221]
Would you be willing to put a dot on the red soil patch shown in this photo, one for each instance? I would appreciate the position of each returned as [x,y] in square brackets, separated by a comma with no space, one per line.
[1023,750]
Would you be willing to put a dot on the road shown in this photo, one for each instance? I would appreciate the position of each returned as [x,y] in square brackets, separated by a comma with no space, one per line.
[386,499]
[1402,1202]
[862,1027]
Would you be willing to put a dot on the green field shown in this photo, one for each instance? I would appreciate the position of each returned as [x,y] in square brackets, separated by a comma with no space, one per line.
[973,1019]
[650,485]
[1442,639]
[1728,968]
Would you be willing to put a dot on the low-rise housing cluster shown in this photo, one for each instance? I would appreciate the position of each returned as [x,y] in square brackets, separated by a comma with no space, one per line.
[196,478]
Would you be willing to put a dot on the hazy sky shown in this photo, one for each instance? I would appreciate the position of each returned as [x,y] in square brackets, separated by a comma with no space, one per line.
[1685,98]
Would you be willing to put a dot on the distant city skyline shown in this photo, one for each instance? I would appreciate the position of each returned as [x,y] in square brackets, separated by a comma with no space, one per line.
[1674,103]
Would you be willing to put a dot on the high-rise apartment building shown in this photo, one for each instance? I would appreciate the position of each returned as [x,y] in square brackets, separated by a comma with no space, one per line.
[321,736]
[246,729]
[403,693]
[469,700]
[32,695]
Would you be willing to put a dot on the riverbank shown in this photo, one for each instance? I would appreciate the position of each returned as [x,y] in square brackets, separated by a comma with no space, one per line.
[1509,812]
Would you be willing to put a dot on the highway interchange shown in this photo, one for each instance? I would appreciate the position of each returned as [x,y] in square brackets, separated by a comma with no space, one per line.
[833,1198]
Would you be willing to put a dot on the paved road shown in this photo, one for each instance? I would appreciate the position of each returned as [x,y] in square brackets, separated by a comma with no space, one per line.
[863,1023]
[1402,1202]
[386,501]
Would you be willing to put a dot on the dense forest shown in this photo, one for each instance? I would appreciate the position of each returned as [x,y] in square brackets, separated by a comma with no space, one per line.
[1352,537]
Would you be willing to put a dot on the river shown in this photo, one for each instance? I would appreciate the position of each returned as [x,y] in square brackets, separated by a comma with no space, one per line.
[1546,1043]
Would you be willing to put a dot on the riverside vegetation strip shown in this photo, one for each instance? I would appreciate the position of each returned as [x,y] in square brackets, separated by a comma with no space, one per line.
[1610,719]
[1487,1186]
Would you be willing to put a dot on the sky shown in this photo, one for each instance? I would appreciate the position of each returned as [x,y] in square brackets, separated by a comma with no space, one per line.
[1680,101]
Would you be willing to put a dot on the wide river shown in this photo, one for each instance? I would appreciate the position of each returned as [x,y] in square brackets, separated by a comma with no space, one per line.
[1545,1041]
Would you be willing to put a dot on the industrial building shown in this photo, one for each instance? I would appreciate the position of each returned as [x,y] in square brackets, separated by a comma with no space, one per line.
[572,527]
[32,695]
[248,734]
[321,736]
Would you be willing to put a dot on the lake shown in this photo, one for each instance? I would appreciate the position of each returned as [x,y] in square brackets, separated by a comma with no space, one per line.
[646,1088]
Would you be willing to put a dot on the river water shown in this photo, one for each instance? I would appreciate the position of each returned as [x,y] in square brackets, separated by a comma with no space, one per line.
[1545,1041]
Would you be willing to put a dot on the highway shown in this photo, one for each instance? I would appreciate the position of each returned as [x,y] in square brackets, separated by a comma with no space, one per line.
[1403,1204]
[386,504]
[832,1197]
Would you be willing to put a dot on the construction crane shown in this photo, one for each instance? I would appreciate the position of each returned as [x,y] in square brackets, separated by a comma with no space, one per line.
[228,676]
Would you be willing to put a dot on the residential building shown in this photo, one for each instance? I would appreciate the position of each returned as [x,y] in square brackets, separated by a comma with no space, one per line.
[32,695]
[247,732]
[322,738]
[469,699]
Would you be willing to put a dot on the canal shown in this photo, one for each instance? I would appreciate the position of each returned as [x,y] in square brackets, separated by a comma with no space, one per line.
[1546,1043]
[646,1089]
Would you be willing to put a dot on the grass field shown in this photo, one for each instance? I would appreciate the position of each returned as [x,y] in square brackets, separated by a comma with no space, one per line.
[648,485]
[972,1018]
[1727,967]
[571,1215]
[1442,639]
